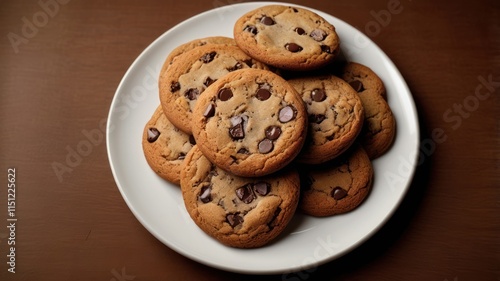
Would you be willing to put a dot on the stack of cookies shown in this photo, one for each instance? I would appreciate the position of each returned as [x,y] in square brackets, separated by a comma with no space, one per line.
[257,127]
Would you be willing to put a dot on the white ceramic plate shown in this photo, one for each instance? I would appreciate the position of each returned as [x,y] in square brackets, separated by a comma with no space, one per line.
[307,242]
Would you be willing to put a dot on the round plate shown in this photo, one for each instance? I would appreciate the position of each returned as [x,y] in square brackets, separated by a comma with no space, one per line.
[308,241]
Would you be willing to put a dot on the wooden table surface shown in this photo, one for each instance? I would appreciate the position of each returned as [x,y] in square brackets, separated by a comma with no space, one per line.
[61,62]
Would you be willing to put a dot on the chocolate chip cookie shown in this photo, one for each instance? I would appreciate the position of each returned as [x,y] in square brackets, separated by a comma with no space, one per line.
[192,72]
[379,126]
[336,116]
[165,146]
[193,44]
[237,211]
[287,37]
[250,122]
[338,187]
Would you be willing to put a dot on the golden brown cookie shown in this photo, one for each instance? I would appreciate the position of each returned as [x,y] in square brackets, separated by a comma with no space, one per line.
[192,72]
[183,48]
[336,188]
[165,146]
[336,116]
[250,122]
[236,211]
[379,128]
[287,37]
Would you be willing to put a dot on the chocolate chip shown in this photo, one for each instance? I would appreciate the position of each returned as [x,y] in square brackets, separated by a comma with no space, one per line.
[238,124]
[153,134]
[251,28]
[192,93]
[237,131]
[326,49]
[239,119]
[273,132]
[225,94]
[265,146]
[262,188]
[181,156]
[263,94]
[299,30]
[210,110]
[208,57]
[316,118]
[338,193]
[209,81]
[205,194]
[245,194]
[357,86]
[295,10]
[175,86]
[234,219]
[292,47]
[318,95]
[286,114]
[237,66]
[318,35]
[267,20]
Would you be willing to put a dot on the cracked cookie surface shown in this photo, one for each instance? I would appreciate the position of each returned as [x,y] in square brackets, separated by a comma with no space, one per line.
[237,211]
[339,187]
[165,146]
[335,115]
[287,37]
[192,72]
[250,122]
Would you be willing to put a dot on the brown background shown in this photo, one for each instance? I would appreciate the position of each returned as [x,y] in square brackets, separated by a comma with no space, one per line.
[62,80]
